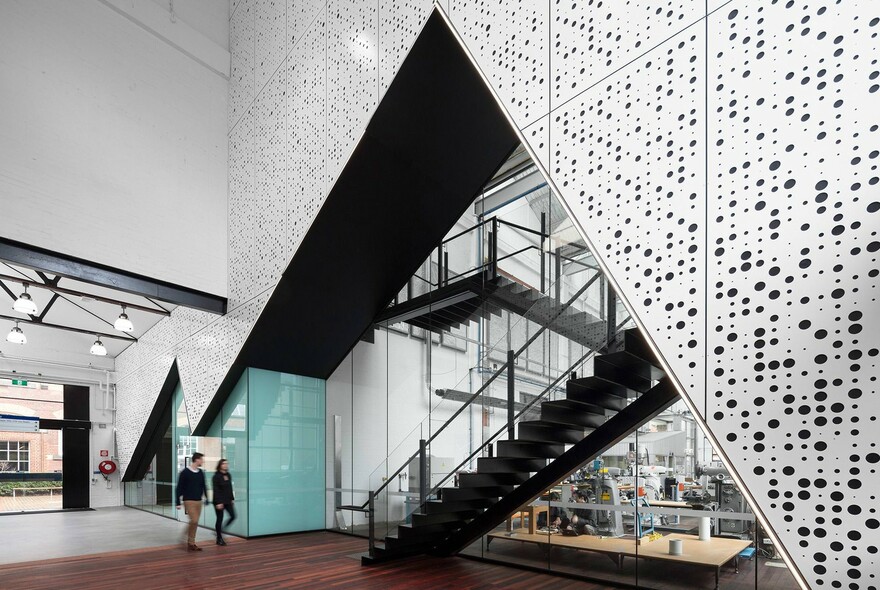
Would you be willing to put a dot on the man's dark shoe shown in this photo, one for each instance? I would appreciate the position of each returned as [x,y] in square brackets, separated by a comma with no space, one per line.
[194,547]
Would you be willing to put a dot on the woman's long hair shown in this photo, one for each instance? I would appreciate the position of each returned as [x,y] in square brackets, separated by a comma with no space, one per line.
[221,462]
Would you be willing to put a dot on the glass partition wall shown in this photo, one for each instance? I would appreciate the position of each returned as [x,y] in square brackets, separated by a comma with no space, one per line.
[271,431]
[502,315]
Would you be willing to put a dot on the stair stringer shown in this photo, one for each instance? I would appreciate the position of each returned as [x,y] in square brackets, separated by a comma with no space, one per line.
[647,406]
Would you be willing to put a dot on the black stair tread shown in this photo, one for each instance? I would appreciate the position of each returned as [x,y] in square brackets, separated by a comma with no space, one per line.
[635,344]
[548,425]
[553,434]
[470,480]
[528,448]
[621,375]
[631,362]
[600,384]
[598,398]
[458,494]
[442,506]
[509,464]
[410,532]
[419,519]
[568,416]
[576,406]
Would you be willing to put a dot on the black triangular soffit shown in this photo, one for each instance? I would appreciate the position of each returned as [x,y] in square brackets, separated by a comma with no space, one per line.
[436,138]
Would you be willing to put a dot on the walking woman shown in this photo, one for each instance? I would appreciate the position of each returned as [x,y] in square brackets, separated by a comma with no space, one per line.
[223,497]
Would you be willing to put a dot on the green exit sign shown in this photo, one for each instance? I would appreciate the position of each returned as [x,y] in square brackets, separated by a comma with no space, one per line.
[20,382]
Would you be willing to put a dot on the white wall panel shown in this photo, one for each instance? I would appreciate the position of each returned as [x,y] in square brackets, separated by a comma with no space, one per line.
[352,77]
[270,171]
[793,325]
[306,132]
[629,158]
[301,15]
[204,358]
[537,134]
[400,23]
[242,210]
[509,40]
[270,33]
[242,47]
[593,40]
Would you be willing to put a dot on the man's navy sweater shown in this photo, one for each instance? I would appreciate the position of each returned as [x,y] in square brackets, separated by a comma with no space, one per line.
[191,485]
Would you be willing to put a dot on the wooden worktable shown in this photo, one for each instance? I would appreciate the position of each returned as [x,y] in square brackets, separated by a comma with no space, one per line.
[713,553]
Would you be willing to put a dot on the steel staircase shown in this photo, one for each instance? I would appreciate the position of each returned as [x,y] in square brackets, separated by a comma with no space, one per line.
[467,299]
[627,389]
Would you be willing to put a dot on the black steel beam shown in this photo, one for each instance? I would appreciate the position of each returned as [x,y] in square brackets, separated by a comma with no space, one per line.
[40,259]
[53,286]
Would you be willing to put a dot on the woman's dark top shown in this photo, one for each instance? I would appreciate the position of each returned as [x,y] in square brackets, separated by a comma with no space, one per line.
[223,488]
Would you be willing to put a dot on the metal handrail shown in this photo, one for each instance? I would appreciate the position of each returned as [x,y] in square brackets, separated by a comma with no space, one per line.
[527,407]
[504,428]
[492,378]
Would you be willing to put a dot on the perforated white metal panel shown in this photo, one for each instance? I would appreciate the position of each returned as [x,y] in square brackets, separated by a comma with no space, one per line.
[306,131]
[241,210]
[352,76]
[399,25]
[300,17]
[270,39]
[241,49]
[629,158]
[509,40]
[271,181]
[204,358]
[592,40]
[794,331]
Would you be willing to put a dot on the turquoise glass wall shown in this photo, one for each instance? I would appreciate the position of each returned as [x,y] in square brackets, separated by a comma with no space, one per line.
[233,429]
[286,452]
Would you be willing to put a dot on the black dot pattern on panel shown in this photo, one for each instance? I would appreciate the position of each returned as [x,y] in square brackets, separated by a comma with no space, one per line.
[509,39]
[592,39]
[306,135]
[794,260]
[300,16]
[352,76]
[538,136]
[241,209]
[270,39]
[241,49]
[399,25]
[629,157]
[271,180]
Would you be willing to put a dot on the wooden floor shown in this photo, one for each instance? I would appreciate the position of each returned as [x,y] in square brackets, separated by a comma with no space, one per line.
[312,560]
[318,560]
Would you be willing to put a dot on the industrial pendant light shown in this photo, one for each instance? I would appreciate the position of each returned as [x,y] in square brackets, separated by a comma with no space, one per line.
[98,348]
[24,304]
[122,323]
[16,336]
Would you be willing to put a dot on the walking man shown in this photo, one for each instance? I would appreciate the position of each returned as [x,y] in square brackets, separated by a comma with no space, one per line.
[191,487]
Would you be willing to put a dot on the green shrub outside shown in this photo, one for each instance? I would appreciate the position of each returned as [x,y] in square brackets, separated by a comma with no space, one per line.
[6,486]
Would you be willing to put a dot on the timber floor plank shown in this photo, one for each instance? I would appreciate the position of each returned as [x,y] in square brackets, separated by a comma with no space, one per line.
[309,560]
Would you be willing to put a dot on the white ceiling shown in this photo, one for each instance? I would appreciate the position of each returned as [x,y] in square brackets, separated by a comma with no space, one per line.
[54,345]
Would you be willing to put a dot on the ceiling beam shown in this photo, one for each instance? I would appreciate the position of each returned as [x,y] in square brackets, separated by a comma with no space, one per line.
[69,328]
[94,273]
[75,293]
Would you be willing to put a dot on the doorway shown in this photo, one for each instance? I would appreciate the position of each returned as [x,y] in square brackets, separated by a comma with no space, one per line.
[44,446]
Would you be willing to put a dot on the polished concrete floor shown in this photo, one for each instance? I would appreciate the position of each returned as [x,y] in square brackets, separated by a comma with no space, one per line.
[31,537]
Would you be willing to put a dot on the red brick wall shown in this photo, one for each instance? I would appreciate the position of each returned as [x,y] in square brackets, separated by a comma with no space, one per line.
[35,401]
